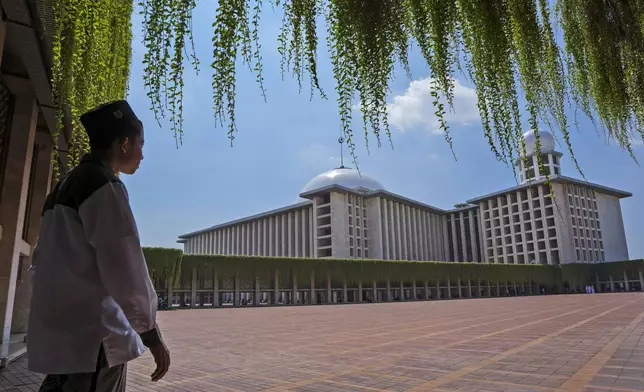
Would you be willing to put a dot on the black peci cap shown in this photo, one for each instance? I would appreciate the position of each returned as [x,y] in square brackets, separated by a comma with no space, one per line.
[109,122]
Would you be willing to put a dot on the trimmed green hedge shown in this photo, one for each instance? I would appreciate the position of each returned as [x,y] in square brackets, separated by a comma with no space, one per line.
[165,263]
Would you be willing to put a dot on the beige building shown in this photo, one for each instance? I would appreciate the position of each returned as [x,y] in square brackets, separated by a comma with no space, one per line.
[27,123]
[345,214]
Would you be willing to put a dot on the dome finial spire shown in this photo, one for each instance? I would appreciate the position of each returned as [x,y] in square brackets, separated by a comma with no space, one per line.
[341,141]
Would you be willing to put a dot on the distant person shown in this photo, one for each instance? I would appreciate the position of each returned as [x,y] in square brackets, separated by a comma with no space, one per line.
[93,306]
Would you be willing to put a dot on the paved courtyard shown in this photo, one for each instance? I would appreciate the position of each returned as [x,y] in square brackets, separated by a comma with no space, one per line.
[556,343]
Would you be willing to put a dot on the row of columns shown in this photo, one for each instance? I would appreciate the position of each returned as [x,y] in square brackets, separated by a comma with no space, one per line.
[410,233]
[459,249]
[286,234]
[611,282]
[463,290]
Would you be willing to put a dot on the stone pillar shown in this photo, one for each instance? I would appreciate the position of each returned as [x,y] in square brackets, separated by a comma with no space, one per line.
[388,290]
[329,298]
[374,291]
[215,288]
[413,289]
[236,297]
[345,293]
[489,289]
[469,287]
[402,291]
[498,288]
[359,299]
[626,285]
[449,289]
[170,291]
[257,292]
[438,289]
[294,288]
[612,284]
[460,289]
[426,290]
[641,280]
[193,288]
[522,288]
[13,207]
[312,298]
[514,287]
[41,184]
[276,288]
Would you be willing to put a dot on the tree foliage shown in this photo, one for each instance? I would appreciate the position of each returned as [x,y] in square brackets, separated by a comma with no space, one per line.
[509,49]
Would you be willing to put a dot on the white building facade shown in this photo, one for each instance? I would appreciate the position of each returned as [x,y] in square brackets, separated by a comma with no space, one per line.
[345,214]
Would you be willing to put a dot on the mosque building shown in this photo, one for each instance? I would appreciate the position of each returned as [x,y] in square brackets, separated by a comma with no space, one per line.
[347,214]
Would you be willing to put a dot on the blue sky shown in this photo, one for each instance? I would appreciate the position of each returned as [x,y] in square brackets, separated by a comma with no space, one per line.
[284,143]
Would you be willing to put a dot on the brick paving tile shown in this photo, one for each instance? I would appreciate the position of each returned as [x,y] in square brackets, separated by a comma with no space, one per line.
[590,343]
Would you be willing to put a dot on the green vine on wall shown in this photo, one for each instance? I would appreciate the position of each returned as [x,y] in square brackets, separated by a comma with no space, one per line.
[172,263]
[508,48]
[90,63]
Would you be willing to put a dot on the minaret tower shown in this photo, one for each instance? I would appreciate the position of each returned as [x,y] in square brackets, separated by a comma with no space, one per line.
[529,167]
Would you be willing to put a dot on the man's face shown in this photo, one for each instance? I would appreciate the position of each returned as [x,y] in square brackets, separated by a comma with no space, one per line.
[131,154]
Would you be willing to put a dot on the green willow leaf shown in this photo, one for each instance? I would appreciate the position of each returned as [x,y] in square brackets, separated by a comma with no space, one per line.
[508,48]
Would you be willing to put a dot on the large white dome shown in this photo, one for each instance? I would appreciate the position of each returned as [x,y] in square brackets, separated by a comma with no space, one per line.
[546,140]
[343,176]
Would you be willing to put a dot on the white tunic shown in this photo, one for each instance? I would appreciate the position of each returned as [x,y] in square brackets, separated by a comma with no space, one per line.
[90,280]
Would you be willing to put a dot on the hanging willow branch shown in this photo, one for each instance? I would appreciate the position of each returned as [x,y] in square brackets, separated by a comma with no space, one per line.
[508,49]
[91,62]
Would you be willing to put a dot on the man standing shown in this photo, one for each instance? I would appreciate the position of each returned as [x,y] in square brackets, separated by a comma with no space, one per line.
[93,306]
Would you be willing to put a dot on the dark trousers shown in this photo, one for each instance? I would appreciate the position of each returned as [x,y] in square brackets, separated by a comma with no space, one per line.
[104,379]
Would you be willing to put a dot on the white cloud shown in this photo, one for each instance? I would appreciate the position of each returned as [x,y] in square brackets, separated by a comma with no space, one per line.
[415,109]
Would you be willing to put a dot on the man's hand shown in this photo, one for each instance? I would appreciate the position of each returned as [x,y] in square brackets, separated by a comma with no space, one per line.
[162,359]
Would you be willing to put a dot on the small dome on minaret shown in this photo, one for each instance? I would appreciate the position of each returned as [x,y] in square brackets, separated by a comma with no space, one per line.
[528,166]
